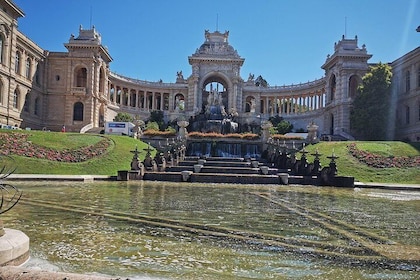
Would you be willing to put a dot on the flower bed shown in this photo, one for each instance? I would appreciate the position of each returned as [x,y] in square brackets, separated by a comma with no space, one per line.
[285,137]
[378,161]
[201,135]
[18,144]
[152,132]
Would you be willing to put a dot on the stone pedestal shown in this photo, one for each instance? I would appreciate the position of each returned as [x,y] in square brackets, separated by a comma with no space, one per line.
[14,247]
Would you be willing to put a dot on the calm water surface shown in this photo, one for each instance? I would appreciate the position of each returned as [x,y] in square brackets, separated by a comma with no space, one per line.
[151,230]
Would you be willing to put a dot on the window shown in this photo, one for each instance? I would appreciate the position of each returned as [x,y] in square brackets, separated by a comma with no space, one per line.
[1,48]
[15,99]
[419,111]
[78,111]
[37,80]
[1,92]
[36,106]
[418,77]
[81,77]
[101,81]
[332,88]
[407,115]
[407,81]
[28,69]
[17,62]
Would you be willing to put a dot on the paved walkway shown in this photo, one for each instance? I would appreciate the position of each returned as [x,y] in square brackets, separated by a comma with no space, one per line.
[91,178]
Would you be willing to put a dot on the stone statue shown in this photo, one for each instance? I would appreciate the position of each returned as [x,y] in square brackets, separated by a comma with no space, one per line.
[179,75]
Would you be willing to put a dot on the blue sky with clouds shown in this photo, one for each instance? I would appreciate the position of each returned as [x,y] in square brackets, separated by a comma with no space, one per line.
[284,41]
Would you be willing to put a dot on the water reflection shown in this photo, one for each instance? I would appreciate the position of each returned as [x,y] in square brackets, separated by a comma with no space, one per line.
[193,231]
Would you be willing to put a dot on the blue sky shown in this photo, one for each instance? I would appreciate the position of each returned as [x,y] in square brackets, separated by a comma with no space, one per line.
[285,41]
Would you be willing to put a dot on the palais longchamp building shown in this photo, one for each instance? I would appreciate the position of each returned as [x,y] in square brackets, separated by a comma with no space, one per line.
[46,89]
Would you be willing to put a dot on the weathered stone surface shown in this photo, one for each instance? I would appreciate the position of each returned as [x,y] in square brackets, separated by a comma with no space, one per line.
[14,247]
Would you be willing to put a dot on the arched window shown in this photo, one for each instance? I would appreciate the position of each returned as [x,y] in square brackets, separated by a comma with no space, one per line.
[28,69]
[1,47]
[27,102]
[16,99]
[78,111]
[333,85]
[353,84]
[81,77]
[17,62]
[36,106]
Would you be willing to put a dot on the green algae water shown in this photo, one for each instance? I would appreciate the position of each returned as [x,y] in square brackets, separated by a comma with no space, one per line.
[161,230]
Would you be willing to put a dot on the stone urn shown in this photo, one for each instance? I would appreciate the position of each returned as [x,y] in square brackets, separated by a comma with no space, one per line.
[183,133]
[312,133]
[265,126]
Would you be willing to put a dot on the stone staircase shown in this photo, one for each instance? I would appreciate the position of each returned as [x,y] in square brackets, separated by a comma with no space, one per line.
[219,170]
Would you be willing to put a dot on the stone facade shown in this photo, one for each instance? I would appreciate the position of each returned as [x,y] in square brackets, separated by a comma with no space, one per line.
[41,89]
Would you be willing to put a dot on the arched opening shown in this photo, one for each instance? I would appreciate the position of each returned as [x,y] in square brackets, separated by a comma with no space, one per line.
[353,85]
[333,85]
[78,111]
[250,104]
[215,96]
[179,102]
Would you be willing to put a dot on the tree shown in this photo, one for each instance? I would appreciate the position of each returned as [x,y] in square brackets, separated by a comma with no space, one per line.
[123,117]
[157,117]
[280,125]
[369,117]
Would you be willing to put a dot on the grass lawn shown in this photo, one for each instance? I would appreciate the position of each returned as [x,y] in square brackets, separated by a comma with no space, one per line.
[117,157]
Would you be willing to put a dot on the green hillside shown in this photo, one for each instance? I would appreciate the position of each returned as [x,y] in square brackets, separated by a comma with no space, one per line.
[348,165]
[39,152]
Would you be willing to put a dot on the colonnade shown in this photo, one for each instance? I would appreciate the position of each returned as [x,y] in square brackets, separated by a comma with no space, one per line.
[144,100]
[170,98]
[286,105]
